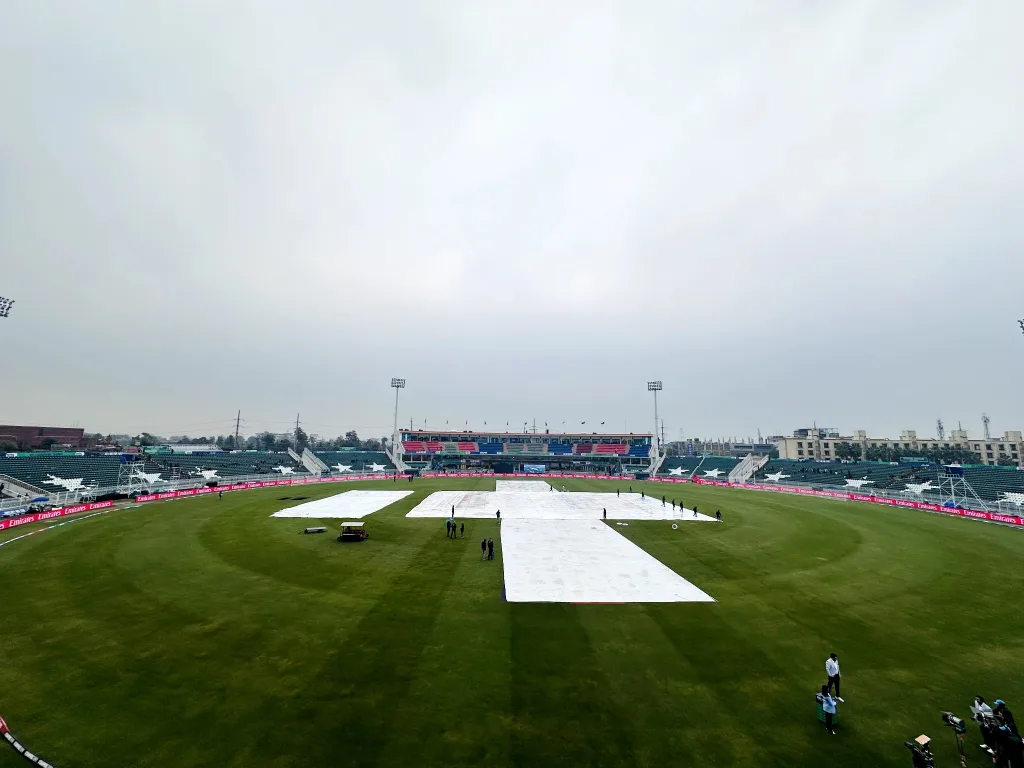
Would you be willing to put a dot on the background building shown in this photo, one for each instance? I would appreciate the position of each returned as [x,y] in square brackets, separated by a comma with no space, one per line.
[828,445]
[24,438]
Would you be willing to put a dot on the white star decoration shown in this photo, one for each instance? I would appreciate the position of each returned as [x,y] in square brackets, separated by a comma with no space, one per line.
[677,471]
[376,467]
[775,477]
[858,483]
[712,472]
[919,488]
[149,477]
[206,474]
[284,470]
[68,484]
[342,467]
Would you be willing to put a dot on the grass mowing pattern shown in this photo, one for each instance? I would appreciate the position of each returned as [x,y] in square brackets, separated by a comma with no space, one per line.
[203,632]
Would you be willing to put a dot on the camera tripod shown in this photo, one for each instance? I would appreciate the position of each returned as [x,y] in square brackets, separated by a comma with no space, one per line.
[960,747]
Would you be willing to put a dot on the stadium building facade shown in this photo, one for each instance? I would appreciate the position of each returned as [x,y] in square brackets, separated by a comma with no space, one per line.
[526,452]
[820,445]
[27,438]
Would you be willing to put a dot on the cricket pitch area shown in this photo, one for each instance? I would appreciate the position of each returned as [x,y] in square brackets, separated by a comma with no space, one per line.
[205,632]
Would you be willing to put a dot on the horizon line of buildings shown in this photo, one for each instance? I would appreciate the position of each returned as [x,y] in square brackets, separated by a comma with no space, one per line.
[816,444]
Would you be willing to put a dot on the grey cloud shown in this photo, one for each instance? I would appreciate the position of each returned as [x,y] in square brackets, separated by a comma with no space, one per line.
[787,211]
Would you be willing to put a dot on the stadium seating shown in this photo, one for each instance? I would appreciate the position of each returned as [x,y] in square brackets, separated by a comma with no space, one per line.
[583,448]
[724,464]
[492,448]
[514,448]
[560,449]
[414,446]
[467,447]
[358,460]
[880,475]
[990,483]
[43,470]
[434,446]
[226,464]
[612,448]
[639,450]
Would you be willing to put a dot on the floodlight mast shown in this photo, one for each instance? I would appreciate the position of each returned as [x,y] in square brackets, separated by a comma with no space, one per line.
[397,384]
[655,387]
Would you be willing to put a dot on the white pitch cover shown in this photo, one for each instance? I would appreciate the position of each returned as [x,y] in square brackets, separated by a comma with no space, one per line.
[522,486]
[351,504]
[550,506]
[585,561]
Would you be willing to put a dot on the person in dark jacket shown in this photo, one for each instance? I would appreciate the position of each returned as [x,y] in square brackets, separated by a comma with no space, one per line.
[490,549]
[483,549]
[828,706]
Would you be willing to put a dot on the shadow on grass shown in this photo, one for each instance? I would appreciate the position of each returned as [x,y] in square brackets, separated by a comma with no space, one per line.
[560,697]
[349,708]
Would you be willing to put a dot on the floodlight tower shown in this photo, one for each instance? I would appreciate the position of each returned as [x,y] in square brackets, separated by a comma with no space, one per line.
[397,384]
[655,387]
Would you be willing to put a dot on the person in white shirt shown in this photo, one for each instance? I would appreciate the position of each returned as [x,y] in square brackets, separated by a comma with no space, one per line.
[832,670]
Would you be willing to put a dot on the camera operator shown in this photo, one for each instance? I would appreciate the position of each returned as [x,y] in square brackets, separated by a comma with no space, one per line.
[982,714]
[1005,717]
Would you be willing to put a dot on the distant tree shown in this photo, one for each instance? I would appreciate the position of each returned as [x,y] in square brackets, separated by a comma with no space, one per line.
[252,443]
[301,439]
[47,443]
[8,446]
[268,440]
[146,439]
[373,444]
[351,439]
[1006,461]
[848,451]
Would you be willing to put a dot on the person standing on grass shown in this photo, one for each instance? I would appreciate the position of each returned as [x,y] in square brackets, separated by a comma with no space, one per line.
[490,549]
[604,514]
[499,517]
[832,670]
[828,706]
[616,493]
[483,549]
[447,529]
[453,510]
[462,529]
[718,515]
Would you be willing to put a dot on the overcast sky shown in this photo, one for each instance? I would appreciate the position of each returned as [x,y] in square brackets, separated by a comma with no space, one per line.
[786,211]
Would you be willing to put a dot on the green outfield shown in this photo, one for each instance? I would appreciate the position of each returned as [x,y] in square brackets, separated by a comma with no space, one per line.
[205,633]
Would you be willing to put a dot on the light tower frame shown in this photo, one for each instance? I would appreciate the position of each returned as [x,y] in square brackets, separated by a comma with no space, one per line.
[396,384]
[655,387]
